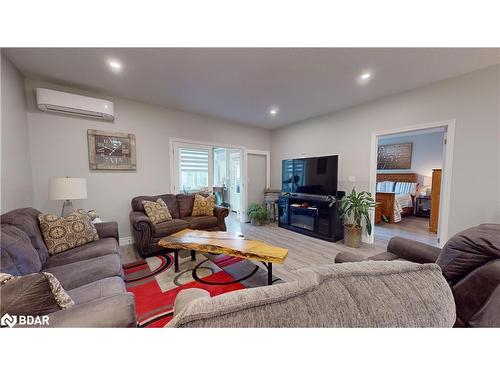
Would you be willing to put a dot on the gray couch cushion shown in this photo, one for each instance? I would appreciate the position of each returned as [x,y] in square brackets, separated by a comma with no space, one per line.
[113,311]
[109,286]
[169,227]
[90,250]
[76,274]
[26,219]
[17,254]
[365,294]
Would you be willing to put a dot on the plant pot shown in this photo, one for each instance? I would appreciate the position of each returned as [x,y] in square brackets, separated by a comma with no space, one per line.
[352,235]
[256,222]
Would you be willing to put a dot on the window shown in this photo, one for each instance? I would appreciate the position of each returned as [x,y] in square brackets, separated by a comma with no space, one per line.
[193,169]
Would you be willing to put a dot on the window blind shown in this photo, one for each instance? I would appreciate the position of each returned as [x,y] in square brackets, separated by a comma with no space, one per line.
[193,160]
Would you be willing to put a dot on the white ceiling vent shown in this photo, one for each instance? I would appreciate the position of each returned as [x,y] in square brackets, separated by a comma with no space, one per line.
[76,105]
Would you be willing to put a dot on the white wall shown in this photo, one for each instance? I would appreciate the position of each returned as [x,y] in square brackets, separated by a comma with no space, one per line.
[471,99]
[59,148]
[427,153]
[17,188]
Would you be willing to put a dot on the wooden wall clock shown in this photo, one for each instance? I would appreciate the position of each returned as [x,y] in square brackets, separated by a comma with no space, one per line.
[111,151]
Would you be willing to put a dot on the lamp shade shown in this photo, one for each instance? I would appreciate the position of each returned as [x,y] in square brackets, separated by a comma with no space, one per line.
[427,181]
[62,188]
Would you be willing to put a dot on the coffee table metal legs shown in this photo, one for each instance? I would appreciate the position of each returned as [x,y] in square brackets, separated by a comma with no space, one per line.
[269,267]
[176,259]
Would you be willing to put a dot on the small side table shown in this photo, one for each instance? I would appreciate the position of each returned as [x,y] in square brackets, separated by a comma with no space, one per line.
[423,206]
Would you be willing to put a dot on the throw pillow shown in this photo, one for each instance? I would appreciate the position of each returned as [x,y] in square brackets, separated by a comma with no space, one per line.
[157,211]
[64,233]
[32,294]
[203,206]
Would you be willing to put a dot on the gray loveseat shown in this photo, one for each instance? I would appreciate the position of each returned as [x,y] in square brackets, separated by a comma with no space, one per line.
[91,274]
[366,294]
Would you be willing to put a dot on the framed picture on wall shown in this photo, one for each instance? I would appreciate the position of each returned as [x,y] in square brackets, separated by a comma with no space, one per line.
[395,156]
[111,151]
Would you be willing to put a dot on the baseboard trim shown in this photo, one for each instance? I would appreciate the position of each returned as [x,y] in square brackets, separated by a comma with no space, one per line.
[126,241]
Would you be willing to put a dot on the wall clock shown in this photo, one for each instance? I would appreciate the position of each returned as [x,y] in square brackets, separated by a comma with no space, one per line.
[111,151]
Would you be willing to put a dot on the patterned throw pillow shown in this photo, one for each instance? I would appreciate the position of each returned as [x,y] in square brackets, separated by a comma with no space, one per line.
[62,298]
[64,233]
[33,294]
[203,206]
[157,211]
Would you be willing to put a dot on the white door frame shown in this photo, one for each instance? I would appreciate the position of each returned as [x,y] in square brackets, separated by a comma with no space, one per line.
[267,154]
[173,177]
[232,156]
[444,204]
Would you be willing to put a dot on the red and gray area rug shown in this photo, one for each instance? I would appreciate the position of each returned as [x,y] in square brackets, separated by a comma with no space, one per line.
[155,284]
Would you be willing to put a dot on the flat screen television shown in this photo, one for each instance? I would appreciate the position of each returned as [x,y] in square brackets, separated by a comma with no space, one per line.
[316,176]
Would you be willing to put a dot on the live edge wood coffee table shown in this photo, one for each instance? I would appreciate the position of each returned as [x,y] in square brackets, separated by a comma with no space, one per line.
[224,243]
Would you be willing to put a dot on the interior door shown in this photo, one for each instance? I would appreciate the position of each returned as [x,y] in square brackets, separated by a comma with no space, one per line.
[235,181]
[256,178]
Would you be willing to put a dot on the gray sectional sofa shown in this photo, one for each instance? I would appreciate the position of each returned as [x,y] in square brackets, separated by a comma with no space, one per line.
[469,261]
[366,294]
[91,274]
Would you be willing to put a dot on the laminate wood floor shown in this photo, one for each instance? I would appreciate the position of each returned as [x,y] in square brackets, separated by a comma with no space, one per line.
[414,228]
[305,251]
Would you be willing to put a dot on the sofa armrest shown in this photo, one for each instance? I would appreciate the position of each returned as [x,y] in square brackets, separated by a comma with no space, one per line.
[186,296]
[113,311]
[142,231]
[413,251]
[107,230]
[344,257]
[221,213]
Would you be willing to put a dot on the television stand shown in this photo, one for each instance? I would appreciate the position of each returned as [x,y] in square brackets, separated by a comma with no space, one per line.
[311,215]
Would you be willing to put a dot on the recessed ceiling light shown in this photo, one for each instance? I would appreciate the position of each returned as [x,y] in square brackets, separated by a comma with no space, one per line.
[274,110]
[364,78]
[115,66]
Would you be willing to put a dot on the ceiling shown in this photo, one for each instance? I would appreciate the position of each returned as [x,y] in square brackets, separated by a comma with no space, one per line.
[241,84]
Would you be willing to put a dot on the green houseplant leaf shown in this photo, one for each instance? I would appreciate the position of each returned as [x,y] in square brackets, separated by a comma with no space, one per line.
[257,212]
[355,209]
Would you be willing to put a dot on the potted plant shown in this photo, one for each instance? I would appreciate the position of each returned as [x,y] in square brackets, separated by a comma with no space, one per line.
[257,213]
[355,211]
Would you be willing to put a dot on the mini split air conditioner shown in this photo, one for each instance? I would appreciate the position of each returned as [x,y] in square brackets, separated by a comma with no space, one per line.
[76,105]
